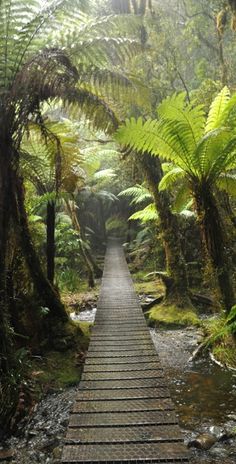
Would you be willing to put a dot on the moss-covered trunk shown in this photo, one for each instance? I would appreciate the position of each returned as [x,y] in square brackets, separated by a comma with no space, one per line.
[176,282]
[43,287]
[215,242]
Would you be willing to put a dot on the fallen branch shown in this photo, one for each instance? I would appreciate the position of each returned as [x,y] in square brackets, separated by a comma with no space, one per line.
[197,298]
[198,350]
[146,306]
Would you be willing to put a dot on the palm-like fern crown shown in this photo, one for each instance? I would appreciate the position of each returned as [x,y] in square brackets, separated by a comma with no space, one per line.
[52,48]
[201,148]
[52,161]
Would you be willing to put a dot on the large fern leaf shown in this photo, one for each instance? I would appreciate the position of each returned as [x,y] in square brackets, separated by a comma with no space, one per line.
[217,109]
[148,214]
[172,177]
[227,182]
[137,193]
[166,138]
[176,108]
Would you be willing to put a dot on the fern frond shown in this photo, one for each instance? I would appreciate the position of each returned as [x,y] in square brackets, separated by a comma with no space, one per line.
[182,201]
[218,106]
[171,178]
[209,149]
[166,138]
[148,214]
[176,108]
[105,174]
[227,182]
[138,194]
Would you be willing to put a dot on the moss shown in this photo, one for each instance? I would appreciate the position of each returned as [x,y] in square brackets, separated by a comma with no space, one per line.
[55,371]
[152,287]
[85,327]
[62,366]
[172,316]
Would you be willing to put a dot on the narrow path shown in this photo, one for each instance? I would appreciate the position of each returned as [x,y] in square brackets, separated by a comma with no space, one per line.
[123,411]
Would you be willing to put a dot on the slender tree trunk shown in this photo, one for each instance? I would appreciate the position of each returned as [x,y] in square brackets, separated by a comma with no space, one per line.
[51,216]
[42,285]
[214,242]
[176,282]
[5,215]
[223,64]
[91,263]
[76,225]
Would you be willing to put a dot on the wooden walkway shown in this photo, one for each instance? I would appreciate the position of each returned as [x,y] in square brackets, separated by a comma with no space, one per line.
[123,411]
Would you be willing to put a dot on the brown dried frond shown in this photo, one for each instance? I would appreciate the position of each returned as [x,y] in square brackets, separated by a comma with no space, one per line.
[221,21]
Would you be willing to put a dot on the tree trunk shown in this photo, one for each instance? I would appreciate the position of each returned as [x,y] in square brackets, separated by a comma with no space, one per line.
[42,285]
[76,225]
[5,215]
[51,216]
[214,242]
[177,288]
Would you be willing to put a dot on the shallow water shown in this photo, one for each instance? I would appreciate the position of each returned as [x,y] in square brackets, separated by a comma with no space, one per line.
[84,316]
[203,393]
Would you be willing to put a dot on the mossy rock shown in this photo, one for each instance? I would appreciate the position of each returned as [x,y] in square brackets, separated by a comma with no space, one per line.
[172,316]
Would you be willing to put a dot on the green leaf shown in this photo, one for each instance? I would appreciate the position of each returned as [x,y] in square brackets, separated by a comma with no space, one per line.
[148,214]
[216,113]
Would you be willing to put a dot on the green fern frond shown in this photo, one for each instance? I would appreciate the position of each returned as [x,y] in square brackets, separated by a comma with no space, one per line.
[176,108]
[138,194]
[169,139]
[216,113]
[148,214]
[170,179]
[182,201]
[227,182]
[105,174]
[82,102]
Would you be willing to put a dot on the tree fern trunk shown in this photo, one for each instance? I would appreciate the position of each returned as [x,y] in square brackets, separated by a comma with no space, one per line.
[214,242]
[45,290]
[5,214]
[51,216]
[177,286]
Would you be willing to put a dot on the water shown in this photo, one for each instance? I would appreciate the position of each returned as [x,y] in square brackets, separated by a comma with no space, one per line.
[204,394]
[84,316]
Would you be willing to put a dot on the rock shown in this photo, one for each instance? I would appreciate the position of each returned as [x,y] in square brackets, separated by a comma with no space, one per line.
[6,455]
[204,441]
[227,433]
[56,453]
[218,432]
[218,452]
[232,417]
[49,445]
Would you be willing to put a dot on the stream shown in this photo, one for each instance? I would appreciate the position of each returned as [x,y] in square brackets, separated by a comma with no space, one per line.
[204,395]
[203,392]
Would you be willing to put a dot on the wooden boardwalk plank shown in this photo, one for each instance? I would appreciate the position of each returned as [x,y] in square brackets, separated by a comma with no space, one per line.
[123,412]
